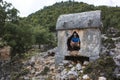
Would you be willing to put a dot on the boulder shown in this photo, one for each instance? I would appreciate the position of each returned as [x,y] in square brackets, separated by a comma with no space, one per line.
[70,65]
[117,60]
[78,66]
[33,71]
[72,77]
[73,68]
[102,78]
[65,62]
[64,72]
[51,52]
[37,73]
[26,78]
[86,77]
[117,72]
[5,53]
[85,63]
[72,73]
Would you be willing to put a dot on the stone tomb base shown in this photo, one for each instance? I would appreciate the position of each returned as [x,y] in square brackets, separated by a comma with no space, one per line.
[77,58]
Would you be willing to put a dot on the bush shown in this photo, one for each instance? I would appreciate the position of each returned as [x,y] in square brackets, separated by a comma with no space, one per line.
[104,65]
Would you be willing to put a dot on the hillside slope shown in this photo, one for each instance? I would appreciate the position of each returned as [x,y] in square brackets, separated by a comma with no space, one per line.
[47,17]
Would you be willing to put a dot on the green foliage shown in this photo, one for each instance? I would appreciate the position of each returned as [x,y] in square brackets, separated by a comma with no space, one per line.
[7,14]
[12,15]
[110,17]
[47,17]
[2,43]
[108,43]
[103,66]
[17,37]
[8,24]
[3,6]
[19,33]
[43,36]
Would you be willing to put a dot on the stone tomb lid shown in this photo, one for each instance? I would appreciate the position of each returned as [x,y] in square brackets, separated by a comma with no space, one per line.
[90,19]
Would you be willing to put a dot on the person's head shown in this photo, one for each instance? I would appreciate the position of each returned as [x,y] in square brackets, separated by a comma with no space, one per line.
[75,34]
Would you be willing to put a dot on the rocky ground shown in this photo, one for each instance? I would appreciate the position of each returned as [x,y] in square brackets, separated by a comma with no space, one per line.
[42,65]
[4,70]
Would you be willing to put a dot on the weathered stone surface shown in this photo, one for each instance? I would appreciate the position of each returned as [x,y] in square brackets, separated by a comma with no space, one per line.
[87,26]
[90,44]
[89,19]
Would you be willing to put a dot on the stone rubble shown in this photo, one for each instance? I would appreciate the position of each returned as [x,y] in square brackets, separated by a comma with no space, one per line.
[41,66]
[73,71]
[67,70]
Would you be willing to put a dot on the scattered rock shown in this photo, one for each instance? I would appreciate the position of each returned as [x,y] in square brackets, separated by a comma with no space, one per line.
[117,72]
[85,63]
[86,77]
[37,73]
[52,52]
[72,77]
[64,72]
[102,78]
[72,73]
[117,60]
[73,69]
[61,64]
[26,78]
[78,66]
[52,67]
[33,71]
[70,66]
[65,62]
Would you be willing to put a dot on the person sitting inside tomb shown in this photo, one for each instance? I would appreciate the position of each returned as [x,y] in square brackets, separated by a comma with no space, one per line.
[74,42]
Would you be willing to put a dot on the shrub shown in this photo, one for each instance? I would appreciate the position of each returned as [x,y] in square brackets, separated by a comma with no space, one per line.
[104,65]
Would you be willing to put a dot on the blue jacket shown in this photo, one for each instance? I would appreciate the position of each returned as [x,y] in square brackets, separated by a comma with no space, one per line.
[75,39]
